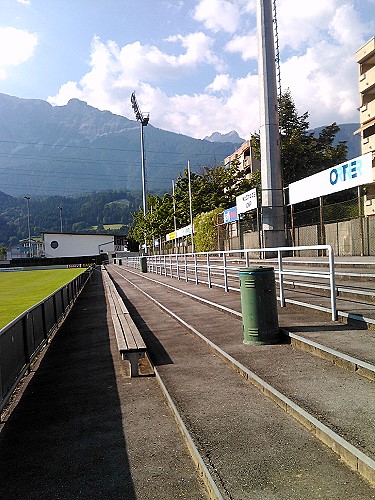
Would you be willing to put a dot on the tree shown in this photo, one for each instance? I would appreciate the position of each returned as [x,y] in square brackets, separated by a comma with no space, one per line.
[302,153]
[212,188]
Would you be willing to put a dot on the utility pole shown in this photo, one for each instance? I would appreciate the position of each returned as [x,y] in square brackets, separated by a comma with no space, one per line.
[143,120]
[27,198]
[191,209]
[61,222]
[174,216]
[273,226]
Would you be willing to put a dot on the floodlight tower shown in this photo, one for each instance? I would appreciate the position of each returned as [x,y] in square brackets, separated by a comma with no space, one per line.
[272,188]
[143,120]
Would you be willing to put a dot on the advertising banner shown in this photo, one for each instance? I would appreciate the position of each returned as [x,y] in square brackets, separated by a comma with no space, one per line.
[247,201]
[184,231]
[230,215]
[347,175]
[180,233]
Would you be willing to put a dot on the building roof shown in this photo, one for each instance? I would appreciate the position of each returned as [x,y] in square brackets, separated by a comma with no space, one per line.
[81,234]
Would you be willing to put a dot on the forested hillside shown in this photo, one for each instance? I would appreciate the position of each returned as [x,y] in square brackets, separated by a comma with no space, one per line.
[79,213]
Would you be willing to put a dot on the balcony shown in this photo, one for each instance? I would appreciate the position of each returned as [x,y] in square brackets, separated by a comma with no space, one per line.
[368,144]
[367,80]
[367,112]
[366,53]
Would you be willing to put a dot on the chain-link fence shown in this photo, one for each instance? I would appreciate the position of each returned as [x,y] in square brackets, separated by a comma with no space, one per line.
[333,221]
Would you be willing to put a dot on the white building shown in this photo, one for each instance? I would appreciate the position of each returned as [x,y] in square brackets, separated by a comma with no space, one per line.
[78,245]
[366,68]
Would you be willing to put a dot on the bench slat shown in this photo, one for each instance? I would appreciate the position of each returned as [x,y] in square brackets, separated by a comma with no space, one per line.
[127,334]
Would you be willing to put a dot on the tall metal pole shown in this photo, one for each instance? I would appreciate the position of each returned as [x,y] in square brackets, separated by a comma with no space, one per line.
[27,198]
[143,119]
[144,179]
[61,222]
[272,190]
[191,209]
[174,216]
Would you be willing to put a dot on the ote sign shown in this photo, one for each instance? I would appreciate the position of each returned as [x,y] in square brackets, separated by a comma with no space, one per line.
[347,175]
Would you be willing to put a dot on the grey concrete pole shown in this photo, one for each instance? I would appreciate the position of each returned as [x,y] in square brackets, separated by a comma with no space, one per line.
[144,179]
[272,189]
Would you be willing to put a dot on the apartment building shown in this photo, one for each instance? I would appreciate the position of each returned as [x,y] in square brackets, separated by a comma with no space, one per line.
[365,57]
[245,157]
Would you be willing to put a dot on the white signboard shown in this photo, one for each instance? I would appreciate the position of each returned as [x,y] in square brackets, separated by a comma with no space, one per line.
[184,231]
[247,201]
[347,175]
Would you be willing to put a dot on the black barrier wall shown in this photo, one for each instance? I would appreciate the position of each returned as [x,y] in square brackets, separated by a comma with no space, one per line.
[25,336]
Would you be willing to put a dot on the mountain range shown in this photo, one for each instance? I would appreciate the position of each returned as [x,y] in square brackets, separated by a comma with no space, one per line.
[231,136]
[75,149]
[71,149]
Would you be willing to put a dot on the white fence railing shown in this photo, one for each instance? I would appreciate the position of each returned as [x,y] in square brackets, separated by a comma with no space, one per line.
[221,268]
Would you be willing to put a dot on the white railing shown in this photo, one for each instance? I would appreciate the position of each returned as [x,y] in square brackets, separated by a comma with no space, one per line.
[220,268]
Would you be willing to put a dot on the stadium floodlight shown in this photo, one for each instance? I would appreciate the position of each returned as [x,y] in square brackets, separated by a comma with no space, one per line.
[143,120]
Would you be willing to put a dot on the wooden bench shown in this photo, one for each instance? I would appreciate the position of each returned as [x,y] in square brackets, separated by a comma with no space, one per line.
[129,341]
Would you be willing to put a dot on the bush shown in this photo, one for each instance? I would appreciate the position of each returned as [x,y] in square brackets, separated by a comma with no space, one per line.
[205,231]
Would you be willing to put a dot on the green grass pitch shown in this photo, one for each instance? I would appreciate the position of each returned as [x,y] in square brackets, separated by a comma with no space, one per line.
[20,290]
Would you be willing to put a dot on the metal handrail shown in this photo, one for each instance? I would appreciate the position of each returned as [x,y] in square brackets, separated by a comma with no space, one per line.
[161,262]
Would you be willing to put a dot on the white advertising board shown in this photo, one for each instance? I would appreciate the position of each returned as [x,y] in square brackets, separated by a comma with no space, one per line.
[347,175]
[247,201]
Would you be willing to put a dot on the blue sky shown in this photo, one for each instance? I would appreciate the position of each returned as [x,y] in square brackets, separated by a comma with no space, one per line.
[192,63]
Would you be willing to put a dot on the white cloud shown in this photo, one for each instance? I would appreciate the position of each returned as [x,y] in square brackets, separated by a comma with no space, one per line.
[24,2]
[67,91]
[302,23]
[117,71]
[218,15]
[198,49]
[318,41]
[246,45]
[221,83]
[20,46]
[201,114]
[323,77]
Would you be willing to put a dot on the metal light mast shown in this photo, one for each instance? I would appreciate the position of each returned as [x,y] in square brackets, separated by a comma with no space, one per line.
[27,198]
[272,189]
[61,221]
[143,119]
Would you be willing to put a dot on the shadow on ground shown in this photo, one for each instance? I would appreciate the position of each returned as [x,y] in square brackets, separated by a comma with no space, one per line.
[65,437]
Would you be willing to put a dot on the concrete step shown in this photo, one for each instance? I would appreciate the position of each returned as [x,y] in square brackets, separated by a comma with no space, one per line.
[236,428]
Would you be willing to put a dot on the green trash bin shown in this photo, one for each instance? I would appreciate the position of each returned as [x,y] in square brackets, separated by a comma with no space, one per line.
[259,306]
[143,264]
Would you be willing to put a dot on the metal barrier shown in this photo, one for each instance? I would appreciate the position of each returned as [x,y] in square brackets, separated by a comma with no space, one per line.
[23,338]
[206,267]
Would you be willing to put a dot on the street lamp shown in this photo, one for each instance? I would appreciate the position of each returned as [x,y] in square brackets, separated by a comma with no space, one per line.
[61,222]
[27,198]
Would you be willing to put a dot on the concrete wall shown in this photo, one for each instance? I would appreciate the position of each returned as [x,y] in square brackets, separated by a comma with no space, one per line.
[251,240]
[346,238]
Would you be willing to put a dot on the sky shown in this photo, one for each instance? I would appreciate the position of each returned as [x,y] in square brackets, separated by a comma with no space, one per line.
[192,63]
